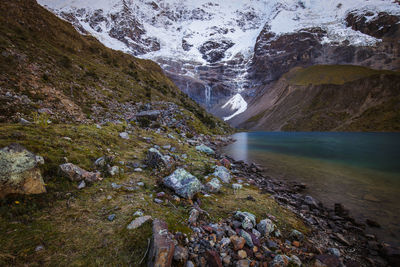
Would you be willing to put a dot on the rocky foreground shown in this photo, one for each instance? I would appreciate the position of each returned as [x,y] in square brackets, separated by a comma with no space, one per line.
[154,191]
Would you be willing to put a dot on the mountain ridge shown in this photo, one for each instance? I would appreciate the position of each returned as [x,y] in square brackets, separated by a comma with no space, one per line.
[215,50]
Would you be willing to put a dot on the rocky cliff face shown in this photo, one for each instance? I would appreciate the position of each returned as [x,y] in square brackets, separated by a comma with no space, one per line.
[215,50]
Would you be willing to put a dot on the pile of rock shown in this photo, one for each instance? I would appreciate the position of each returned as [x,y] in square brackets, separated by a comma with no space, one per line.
[240,241]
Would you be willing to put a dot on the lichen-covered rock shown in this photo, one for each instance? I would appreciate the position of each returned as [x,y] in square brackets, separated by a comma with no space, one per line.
[76,174]
[222,173]
[205,149]
[19,172]
[266,227]
[162,246]
[247,237]
[183,183]
[213,186]
[248,220]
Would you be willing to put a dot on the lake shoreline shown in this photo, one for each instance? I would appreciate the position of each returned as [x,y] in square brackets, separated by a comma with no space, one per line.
[330,226]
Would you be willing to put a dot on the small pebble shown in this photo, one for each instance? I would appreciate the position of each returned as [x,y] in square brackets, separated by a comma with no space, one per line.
[111,217]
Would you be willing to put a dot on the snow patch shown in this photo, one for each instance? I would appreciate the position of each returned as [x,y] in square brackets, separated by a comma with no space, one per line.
[236,103]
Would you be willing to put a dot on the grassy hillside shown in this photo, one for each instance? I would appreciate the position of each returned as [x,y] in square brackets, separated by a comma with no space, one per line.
[330,98]
[331,74]
[46,63]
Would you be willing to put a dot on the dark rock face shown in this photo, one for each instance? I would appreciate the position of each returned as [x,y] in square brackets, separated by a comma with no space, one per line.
[382,25]
[276,55]
[128,31]
[214,51]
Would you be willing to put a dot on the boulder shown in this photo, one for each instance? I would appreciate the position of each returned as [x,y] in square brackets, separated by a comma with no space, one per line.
[222,173]
[248,220]
[266,227]
[205,149]
[183,183]
[247,237]
[76,174]
[155,159]
[19,171]
[162,246]
[149,114]
[213,186]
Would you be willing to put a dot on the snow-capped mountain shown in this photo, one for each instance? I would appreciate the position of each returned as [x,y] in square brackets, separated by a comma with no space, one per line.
[217,51]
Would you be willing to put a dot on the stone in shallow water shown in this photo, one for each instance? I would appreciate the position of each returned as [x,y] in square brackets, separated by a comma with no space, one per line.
[19,171]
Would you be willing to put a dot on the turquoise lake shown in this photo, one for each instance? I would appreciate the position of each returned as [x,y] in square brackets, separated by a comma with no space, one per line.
[359,170]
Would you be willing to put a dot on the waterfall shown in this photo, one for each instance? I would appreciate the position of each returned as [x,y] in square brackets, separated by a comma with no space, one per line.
[207,93]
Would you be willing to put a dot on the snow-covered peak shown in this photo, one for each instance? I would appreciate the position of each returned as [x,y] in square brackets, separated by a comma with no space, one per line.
[182,27]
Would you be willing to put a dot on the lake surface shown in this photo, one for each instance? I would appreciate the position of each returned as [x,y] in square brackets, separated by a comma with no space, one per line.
[359,170]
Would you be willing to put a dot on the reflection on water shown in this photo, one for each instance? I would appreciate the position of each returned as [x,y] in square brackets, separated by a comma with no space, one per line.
[360,170]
